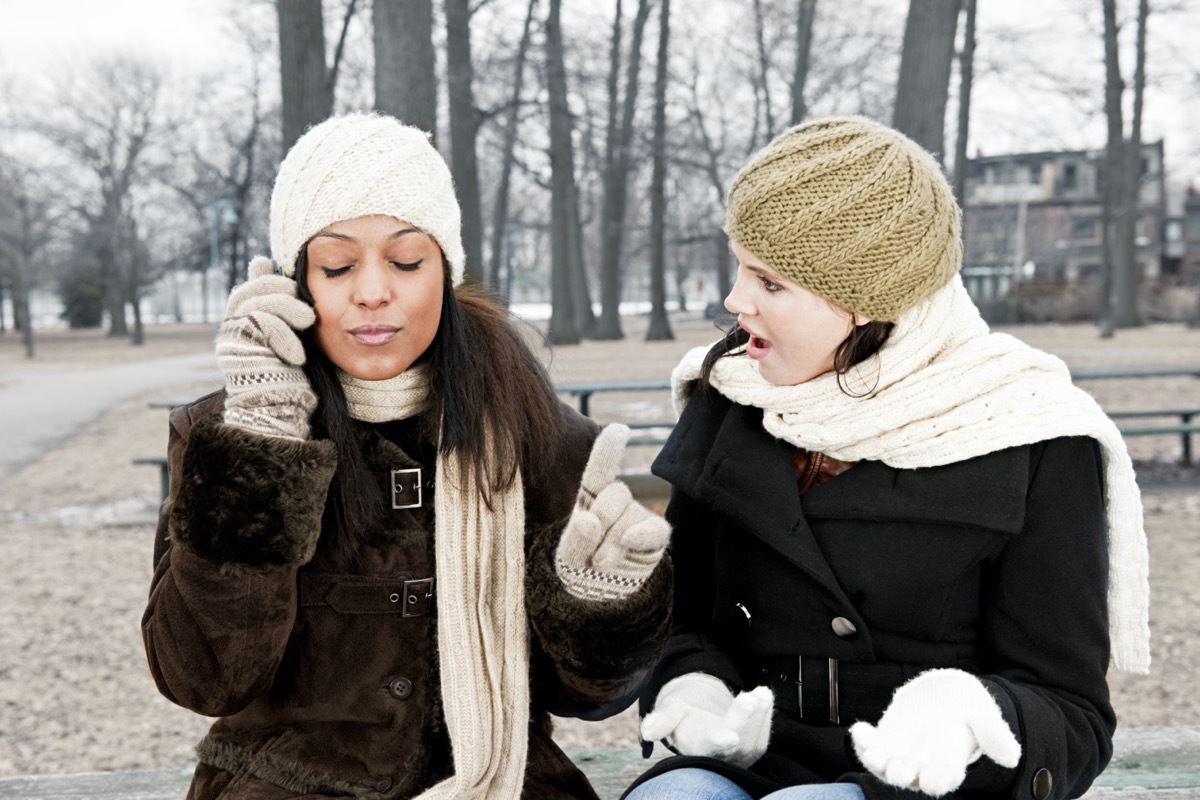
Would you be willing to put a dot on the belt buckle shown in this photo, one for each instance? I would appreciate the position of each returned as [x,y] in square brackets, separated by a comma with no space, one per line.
[417,597]
[402,493]
[834,712]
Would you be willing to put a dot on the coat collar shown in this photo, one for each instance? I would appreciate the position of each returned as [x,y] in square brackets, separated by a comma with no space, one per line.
[720,455]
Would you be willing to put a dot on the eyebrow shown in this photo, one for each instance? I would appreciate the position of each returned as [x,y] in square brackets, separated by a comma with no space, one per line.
[769,274]
[345,238]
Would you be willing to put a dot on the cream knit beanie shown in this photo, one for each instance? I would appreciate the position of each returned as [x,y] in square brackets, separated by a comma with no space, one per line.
[357,165]
[852,210]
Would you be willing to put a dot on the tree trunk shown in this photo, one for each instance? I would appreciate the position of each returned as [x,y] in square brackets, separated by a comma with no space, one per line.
[806,13]
[242,189]
[112,278]
[562,178]
[660,326]
[138,337]
[304,83]
[20,289]
[1113,167]
[924,83]
[966,72]
[513,119]
[1127,276]
[463,127]
[763,70]
[721,266]
[581,292]
[405,82]
[616,182]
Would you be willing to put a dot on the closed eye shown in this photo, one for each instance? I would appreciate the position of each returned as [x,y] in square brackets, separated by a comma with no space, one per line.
[408,267]
[334,272]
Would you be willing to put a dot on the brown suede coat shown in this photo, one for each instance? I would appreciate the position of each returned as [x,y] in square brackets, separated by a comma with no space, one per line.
[322,685]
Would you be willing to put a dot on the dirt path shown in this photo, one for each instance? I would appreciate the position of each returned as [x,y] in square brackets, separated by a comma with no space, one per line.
[76,528]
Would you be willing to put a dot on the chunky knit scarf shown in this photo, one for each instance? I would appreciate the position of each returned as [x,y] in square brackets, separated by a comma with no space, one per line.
[483,646]
[941,390]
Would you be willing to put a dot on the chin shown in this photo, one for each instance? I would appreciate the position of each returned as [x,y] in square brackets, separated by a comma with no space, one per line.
[375,371]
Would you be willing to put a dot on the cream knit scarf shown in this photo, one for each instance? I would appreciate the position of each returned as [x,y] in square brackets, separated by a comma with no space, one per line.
[483,648]
[942,390]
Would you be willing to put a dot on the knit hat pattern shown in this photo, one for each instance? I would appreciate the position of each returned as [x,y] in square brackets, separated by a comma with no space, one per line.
[851,210]
[358,165]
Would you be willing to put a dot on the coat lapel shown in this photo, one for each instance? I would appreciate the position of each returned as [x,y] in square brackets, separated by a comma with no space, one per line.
[729,462]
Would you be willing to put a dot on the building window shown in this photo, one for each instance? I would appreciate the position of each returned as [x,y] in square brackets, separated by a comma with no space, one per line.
[1035,174]
[1070,178]
[1193,225]
[1083,228]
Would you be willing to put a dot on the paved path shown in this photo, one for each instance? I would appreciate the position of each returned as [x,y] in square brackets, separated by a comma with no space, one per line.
[39,410]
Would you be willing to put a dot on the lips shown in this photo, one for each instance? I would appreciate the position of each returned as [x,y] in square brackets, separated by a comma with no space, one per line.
[374,335]
[757,346]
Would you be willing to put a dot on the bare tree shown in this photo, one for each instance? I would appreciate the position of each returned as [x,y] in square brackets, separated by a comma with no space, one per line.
[618,158]
[924,82]
[660,325]
[27,223]
[464,126]
[562,165]
[107,125]
[508,150]
[806,12]
[966,76]
[306,84]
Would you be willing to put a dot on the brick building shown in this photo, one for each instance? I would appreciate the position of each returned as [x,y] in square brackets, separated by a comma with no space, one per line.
[1032,231]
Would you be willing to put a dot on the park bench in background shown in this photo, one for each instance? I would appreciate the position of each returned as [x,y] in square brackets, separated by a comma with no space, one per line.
[647,487]
[1148,764]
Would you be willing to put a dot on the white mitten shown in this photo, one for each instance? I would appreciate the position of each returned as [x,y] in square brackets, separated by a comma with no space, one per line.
[937,725]
[698,716]
[611,543]
[260,355]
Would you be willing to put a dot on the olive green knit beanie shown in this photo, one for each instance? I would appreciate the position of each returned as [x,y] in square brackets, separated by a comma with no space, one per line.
[851,210]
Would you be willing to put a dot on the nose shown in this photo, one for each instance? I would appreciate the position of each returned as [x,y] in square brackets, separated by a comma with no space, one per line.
[371,287]
[738,300]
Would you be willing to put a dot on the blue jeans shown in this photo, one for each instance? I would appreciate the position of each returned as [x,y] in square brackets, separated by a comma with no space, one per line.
[692,783]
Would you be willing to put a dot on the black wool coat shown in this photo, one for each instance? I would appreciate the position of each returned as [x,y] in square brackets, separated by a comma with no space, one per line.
[322,671]
[996,565]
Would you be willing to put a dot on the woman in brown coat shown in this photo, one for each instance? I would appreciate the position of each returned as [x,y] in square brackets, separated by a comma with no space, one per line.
[389,552]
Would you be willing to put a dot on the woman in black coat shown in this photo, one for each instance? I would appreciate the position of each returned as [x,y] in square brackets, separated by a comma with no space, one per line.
[906,549]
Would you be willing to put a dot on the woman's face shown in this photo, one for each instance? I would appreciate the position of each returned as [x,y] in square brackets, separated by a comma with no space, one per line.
[794,333]
[376,284]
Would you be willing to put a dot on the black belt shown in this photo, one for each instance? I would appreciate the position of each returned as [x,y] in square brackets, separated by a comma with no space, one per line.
[825,691]
[355,594]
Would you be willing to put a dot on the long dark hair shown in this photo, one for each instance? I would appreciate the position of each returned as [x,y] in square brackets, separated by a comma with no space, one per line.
[861,343]
[483,379]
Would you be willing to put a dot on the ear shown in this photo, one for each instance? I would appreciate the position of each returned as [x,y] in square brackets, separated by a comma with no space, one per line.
[860,320]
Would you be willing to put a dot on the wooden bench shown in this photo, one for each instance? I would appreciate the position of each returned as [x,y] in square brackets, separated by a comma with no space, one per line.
[1161,763]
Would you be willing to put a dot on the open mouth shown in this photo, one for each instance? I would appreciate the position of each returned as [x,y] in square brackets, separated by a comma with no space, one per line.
[757,347]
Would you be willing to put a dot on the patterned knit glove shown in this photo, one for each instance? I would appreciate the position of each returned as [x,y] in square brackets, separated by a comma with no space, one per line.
[698,716]
[260,355]
[611,543]
[937,725]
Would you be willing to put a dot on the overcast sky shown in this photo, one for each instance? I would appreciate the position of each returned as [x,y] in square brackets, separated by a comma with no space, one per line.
[41,36]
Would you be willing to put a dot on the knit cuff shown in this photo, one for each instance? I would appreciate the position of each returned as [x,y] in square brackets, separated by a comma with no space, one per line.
[589,584]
